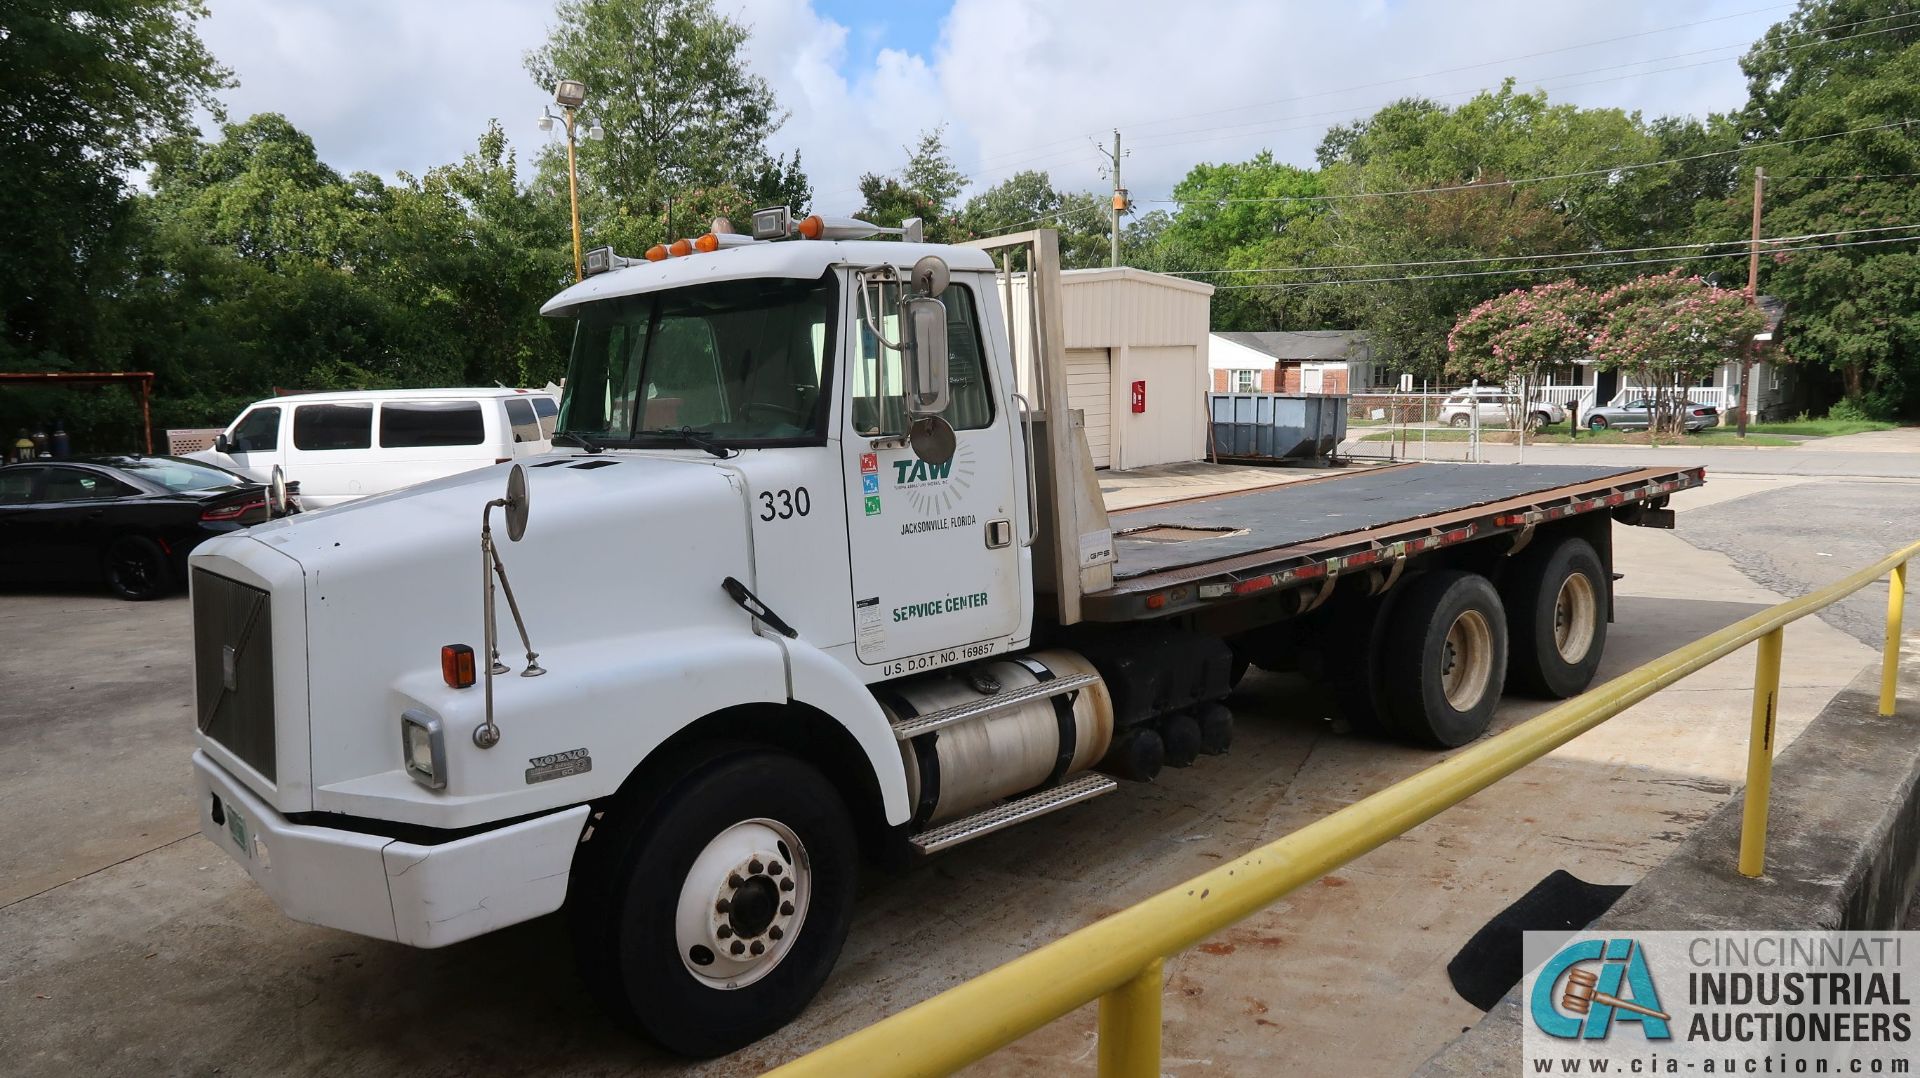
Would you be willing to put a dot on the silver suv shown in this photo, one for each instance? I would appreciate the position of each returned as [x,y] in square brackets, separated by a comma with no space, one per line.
[1496,407]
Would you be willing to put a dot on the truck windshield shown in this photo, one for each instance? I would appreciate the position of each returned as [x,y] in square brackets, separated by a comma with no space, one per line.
[740,362]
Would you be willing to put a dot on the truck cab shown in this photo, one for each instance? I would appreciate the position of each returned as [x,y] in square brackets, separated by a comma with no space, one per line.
[808,577]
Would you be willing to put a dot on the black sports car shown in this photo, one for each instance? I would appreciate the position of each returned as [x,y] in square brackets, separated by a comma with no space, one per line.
[130,521]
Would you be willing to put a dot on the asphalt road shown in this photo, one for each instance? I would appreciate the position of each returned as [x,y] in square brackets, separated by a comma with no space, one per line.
[1800,536]
[129,945]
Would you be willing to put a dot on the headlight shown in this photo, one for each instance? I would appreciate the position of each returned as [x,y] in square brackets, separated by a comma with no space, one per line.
[424,748]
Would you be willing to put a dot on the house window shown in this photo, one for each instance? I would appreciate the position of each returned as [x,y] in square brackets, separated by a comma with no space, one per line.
[1246,381]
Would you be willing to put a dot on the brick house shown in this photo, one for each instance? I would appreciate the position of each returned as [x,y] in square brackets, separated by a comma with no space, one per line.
[1299,361]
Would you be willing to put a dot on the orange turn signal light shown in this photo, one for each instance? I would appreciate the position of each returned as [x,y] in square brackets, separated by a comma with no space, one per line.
[811,228]
[681,247]
[657,253]
[708,242]
[456,666]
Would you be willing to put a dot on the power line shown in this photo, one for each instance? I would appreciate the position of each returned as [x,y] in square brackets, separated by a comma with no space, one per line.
[1490,184]
[1538,257]
[1772,179]
[1563,269]
[1060,214]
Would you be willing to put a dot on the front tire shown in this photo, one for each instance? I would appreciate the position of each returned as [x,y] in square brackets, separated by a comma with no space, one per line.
[1444,658]
[714,920]
[1556,619]
[1459,421]
[136,569]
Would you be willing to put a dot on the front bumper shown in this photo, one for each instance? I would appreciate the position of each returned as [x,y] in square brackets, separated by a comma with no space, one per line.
[423,896]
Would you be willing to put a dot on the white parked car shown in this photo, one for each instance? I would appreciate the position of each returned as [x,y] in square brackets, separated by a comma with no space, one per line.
[342,446]
[1496,407]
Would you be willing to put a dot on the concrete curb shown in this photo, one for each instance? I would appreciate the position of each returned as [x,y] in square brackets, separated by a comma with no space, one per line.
[1843,852]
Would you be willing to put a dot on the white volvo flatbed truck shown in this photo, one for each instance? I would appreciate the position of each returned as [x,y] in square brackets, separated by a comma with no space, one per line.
[807,578]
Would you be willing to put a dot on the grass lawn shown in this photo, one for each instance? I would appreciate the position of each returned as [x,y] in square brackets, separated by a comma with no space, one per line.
[1610,437]
[1821,428]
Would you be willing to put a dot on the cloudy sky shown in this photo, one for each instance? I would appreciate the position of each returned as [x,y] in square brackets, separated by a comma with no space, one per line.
[389,85]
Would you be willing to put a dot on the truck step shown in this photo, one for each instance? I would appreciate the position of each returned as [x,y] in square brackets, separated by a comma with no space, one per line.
[910,728]
[1008,813]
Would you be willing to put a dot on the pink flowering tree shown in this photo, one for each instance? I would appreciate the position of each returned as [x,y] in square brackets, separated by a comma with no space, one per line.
[1512,338]
[1667,332]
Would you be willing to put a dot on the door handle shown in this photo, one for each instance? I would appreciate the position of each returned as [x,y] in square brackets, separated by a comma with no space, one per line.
[1026,445]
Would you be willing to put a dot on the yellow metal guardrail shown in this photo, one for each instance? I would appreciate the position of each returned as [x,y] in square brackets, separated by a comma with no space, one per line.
[1118,960]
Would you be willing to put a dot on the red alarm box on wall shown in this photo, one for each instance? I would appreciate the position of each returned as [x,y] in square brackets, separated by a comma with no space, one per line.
[1139,397]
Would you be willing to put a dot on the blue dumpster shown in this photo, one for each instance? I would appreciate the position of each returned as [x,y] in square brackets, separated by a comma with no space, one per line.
[1276,426]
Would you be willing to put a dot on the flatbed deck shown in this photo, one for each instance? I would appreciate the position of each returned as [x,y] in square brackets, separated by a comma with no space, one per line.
[1182,554]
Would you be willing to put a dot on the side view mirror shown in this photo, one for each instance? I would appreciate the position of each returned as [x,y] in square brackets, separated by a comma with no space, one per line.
[222,443]
[927,359]
[277,493]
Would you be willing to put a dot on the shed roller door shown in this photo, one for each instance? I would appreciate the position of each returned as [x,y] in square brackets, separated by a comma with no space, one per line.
[1089,388]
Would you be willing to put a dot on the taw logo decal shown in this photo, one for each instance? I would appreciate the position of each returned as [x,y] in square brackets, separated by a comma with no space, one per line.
[1573,999]
[933,489]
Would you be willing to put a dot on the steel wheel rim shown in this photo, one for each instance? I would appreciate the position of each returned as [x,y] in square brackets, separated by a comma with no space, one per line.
[1467,664]
[1576,611]
[748,889]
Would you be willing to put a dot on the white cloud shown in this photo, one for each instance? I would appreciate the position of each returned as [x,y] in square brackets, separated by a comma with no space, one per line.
[387,86]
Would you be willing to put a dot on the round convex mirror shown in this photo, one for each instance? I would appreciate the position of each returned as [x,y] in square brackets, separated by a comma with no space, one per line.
[517,502]
[930,275]
[932,439]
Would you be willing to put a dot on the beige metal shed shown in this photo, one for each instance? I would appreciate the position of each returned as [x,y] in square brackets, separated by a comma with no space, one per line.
[1126,326]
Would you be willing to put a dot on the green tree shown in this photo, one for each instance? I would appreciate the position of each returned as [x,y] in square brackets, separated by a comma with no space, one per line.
[925,188]
[930,170]
[1463,162]
[1512,338]
[1669,331]
[472,254]
[1252,215]
[262,192]
[86,88]
[1028,199]
[1832,109]
[686,120]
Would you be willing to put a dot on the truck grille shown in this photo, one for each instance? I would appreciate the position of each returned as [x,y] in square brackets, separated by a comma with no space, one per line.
[233,667]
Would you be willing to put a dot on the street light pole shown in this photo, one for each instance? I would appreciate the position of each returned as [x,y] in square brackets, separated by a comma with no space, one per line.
[570,94]
[573,195]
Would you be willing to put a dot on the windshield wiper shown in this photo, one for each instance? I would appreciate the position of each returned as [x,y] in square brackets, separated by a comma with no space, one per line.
[695,438]
[581,440]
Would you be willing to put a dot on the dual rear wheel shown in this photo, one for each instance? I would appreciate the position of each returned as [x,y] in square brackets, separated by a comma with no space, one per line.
[1428,664]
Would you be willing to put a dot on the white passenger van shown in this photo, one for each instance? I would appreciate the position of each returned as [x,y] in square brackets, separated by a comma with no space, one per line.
[347,445]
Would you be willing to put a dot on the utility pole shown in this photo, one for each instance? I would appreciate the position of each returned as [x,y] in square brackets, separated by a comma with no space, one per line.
[1753,297]
[1120,202]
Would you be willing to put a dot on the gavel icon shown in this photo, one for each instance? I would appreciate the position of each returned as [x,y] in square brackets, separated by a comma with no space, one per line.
[1583,992]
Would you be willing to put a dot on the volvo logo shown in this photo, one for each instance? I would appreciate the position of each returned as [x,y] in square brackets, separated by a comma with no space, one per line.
[229,668]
